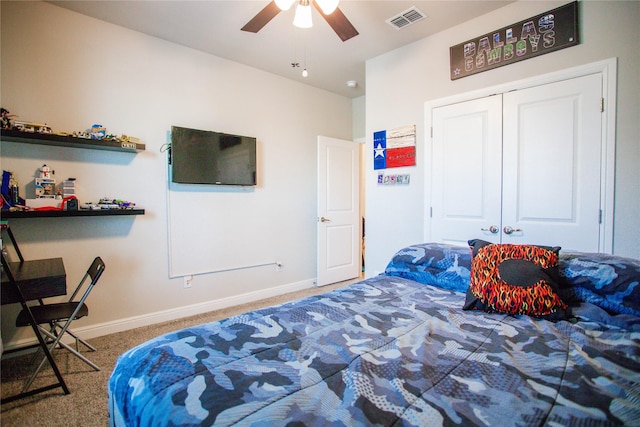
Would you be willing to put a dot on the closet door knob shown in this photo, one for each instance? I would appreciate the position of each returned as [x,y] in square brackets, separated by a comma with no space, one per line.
[508,230]
[493,229]
[323,219]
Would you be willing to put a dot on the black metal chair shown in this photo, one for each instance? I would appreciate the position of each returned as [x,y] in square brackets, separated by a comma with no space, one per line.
[58,317]
[43,345]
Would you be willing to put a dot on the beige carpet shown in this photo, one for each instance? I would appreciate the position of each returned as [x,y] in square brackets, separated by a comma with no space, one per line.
[87,403]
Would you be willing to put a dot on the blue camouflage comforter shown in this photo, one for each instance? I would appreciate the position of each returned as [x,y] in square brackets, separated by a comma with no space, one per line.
[384,351]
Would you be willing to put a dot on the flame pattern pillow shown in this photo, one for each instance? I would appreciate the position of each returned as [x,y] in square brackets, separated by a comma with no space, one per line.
[515,279]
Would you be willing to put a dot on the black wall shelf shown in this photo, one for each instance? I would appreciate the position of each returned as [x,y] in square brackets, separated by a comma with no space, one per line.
[69,141]
[60,214]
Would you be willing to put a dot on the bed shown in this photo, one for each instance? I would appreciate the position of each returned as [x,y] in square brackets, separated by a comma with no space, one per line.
[407,347]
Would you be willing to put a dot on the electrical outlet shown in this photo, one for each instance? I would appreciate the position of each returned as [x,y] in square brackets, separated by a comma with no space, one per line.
[187,281]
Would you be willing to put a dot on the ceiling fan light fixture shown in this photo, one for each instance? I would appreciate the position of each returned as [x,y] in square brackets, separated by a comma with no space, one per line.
[328,6]
[284,4]
[303,15]
[328,9]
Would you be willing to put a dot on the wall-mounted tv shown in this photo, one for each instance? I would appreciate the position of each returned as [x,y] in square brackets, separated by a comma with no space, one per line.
[207,157]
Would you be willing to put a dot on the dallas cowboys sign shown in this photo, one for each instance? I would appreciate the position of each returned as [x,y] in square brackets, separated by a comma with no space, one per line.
[544,33]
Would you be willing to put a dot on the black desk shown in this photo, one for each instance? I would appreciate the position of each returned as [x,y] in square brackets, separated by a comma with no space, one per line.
[41,278]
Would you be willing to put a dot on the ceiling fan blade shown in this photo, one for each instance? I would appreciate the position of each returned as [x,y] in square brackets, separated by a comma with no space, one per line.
[262,18]
[339,22]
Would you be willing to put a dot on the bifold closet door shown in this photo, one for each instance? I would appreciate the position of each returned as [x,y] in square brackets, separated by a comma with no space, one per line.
[552,164]
[520,167]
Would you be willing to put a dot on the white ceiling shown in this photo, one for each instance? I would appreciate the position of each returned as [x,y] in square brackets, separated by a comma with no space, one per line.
[214,27]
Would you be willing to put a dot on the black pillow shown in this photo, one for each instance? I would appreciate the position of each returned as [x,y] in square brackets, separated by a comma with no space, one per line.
[515,279]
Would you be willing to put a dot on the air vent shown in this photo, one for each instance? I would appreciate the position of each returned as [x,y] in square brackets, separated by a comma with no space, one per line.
[406,18]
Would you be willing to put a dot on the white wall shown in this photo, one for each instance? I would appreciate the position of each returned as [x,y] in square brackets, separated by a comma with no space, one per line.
[359,117]
[72,71]
[401,81]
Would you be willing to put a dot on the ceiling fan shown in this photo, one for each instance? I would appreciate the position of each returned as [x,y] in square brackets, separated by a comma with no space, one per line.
[327,8]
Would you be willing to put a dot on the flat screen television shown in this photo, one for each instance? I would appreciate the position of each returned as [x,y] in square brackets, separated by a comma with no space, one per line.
[207,157]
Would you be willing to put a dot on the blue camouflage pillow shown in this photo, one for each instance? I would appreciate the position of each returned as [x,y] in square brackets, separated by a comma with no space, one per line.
[608,281]
[439,264]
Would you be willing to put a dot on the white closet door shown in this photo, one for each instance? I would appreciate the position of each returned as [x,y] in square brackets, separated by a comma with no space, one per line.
[466,171]
[551,164]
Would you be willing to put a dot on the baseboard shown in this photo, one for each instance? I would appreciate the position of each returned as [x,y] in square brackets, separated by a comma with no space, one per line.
[121,325]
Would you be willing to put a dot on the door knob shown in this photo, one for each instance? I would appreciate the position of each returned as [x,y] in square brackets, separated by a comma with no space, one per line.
[493,229]
[508,230]
[323,219]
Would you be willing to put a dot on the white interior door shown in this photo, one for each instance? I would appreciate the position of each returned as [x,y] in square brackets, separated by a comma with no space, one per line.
[338,232]
[466,171]
[551,164]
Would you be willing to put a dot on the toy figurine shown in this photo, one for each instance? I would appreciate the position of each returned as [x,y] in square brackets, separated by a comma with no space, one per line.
[6,119]
[45,185]
[46,172]
[98,131]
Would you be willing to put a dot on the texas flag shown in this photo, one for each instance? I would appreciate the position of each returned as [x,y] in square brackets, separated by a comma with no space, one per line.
[394,148]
